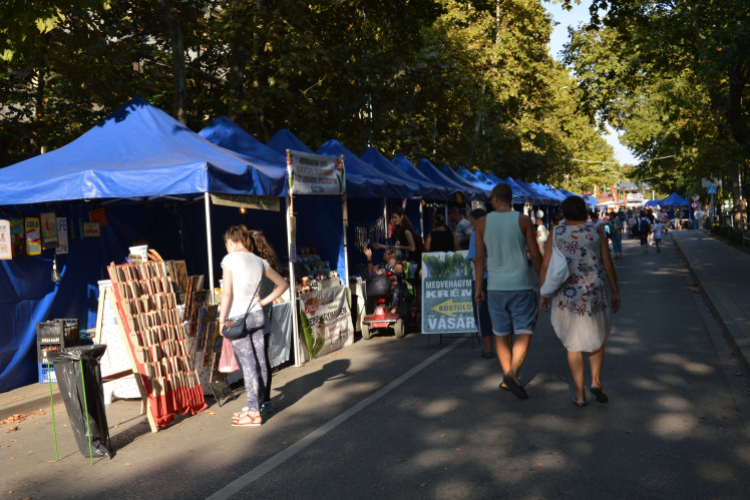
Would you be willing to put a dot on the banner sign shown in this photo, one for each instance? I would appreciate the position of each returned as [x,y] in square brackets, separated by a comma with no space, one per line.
[329,318]
[18,237]
[62,236]
[315,174]
[6,252]
[446,293]
[634,197]
[247,201]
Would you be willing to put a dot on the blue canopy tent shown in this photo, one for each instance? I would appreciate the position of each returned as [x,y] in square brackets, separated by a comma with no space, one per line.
[483,178]
[283,140]
[436,175]
[136,153]
[555,196]
[403,164]
[494,179]
[395,187]
[413,208]
[520,195]
[472,179]
[316,214]
[675,200]
[452,175]
[540,198]
[653,203]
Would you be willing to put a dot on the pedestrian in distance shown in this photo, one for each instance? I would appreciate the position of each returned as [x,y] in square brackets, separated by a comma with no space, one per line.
[582,308]
[658,228]
[243,272]
[541,234]
[678,219]
[484,322]
[441,238]
[617,228]
[504,237]
[641,229]
[462,229]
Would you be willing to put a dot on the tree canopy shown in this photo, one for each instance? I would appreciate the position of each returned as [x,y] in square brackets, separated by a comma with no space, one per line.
[467,83]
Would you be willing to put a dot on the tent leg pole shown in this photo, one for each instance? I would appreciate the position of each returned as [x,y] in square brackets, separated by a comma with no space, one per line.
[446,213]
[346,249]
[385,215]
[421,219]
[292,285]
[207,200]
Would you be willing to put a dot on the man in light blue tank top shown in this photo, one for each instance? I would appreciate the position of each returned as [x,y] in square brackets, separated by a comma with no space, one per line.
[504,236]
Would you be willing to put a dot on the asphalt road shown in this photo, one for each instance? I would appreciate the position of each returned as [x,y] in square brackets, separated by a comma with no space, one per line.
[673,427]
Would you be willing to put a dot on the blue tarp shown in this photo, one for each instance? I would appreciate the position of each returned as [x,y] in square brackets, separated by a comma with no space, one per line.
[540,198]
[555,196]
[394,187]
[136,151]
[403,164]
[453,176]
[653,203]
[675,200]
[494,179]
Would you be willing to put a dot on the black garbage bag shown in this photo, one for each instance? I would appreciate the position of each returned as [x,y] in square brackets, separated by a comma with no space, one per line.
[68,371]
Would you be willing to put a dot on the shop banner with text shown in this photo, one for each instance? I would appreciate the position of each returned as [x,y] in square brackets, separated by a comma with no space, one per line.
[315,174]
[252,202]
[329,318]
[446,293]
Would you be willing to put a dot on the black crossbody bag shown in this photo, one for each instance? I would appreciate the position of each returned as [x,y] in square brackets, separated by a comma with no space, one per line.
[244,325]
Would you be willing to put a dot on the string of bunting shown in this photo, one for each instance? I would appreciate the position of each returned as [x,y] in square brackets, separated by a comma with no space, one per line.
[366,235]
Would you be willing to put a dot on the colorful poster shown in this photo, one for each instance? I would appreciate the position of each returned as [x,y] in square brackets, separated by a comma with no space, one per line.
[18,237]
[315,174]
[49,230]
[447,307]
[99,216]
[33,236]
[329,317]
[6,252]
[62,236]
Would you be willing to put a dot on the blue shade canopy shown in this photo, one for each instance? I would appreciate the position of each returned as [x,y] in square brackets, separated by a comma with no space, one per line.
[590,201]
[137,151]
[394,187]
[653,203]
[376,160]
[431,171]
[408,168]
[452,175]
[519,194]
[483,178]
[284,140]
[675,200]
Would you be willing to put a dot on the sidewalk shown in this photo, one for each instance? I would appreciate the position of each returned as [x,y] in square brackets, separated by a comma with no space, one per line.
[723,275]
[25,399]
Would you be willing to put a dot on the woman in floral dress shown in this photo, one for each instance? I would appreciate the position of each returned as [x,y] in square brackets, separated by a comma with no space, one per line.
[582,308]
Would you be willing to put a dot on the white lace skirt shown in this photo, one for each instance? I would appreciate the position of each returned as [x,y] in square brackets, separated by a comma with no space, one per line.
[582,333]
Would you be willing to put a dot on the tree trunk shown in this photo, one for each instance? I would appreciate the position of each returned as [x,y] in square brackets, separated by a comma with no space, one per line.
[179,97]
[734,175]
[477,128]
[261,73]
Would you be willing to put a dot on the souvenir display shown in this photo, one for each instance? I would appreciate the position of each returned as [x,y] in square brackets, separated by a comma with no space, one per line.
[62,236]
[49,230]
[17,237]
[6,252]
[156,335]
[367,235]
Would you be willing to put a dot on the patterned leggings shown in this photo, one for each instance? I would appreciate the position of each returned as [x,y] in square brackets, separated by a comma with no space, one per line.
[250,351]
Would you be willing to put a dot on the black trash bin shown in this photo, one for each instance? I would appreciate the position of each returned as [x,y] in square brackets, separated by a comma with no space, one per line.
[68,363]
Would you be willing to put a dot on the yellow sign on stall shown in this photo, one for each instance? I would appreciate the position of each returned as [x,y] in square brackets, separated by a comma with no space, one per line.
[33,236]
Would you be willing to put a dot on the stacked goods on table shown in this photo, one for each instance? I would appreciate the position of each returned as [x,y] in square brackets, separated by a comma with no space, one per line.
[148,306]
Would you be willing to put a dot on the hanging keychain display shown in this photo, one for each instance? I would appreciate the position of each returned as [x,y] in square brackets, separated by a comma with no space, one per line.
[365,236]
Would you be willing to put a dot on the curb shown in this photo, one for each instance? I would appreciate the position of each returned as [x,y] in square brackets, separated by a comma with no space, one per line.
[733,336]
[29,405]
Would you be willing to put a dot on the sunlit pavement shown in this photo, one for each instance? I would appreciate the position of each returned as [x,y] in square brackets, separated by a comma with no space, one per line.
[672,429]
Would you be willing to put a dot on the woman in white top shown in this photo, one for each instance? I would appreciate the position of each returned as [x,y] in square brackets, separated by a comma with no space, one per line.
[243,273]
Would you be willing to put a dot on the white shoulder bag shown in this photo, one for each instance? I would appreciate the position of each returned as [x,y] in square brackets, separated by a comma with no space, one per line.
[557,271]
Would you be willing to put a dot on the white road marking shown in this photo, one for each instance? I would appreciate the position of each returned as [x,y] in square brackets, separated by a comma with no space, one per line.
[247,479]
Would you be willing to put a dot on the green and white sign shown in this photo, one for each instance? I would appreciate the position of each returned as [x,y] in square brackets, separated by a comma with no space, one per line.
[315,174]
[447,307]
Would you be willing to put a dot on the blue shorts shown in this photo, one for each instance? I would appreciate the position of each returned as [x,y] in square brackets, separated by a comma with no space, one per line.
[512,311]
